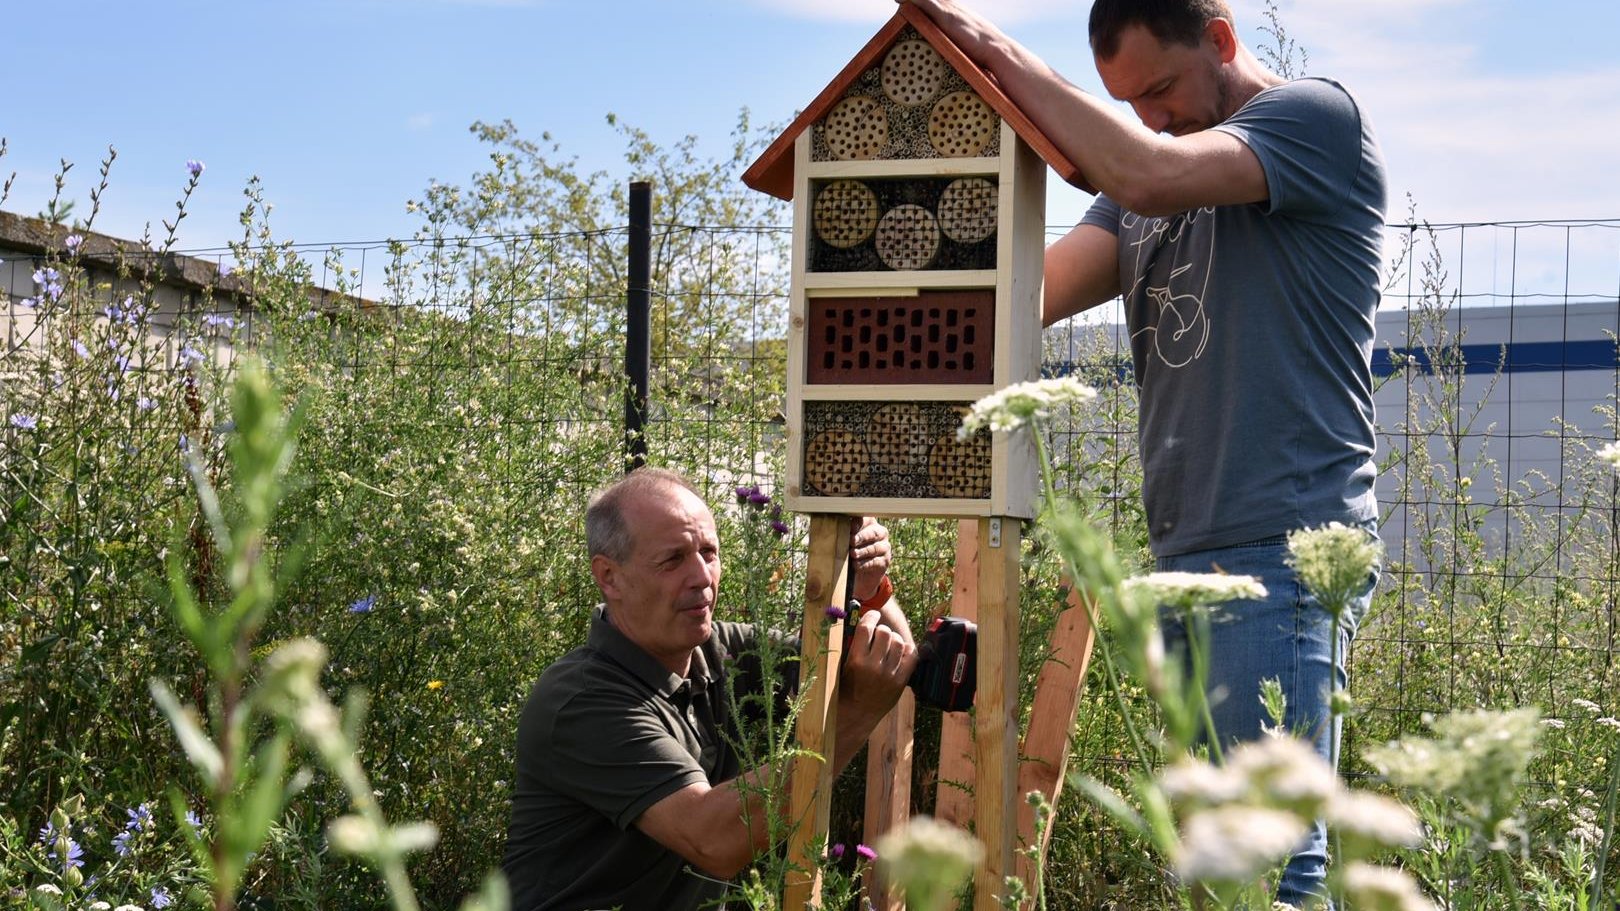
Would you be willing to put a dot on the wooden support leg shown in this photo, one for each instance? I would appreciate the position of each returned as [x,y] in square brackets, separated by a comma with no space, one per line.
[1045,749]
[953,796]
[888,787]
[822,646]
[995,712]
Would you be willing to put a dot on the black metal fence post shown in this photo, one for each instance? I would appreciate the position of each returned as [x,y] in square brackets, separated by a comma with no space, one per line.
[638,326]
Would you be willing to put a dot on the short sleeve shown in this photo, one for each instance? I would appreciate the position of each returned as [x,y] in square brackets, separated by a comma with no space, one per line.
[1307,135]
[1104,213]
[619,761]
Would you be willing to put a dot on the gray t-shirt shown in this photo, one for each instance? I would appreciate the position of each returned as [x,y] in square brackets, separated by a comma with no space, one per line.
[1252,330]
[608,732]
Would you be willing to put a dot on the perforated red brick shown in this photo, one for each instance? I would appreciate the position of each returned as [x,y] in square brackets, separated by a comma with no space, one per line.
[935,337]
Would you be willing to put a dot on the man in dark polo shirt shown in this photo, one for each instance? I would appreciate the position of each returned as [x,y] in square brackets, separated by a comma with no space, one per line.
[628,791]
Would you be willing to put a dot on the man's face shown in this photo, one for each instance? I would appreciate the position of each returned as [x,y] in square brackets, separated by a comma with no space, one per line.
[1174,88]
[662,595]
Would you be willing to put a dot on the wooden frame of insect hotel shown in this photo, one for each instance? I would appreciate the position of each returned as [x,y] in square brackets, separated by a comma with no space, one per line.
[918,194]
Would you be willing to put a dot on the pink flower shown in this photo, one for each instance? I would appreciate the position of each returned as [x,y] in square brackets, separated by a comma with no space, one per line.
[866,852]
[836,851]
[834,612]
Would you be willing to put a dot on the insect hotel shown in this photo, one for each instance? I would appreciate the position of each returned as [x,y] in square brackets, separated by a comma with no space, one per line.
[918,195]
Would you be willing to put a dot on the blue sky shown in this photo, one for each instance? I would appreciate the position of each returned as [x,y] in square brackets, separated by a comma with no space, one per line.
[1488,109]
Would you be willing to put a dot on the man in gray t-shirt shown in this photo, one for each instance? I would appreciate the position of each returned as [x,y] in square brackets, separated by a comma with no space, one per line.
[1241,221]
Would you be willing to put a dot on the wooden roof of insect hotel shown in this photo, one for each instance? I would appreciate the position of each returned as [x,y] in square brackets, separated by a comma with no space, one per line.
[773,172]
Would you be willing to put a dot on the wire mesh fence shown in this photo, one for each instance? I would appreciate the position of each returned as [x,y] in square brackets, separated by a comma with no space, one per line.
[467,396]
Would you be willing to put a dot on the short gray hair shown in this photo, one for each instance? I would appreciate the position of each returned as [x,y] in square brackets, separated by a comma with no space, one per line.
[605,530]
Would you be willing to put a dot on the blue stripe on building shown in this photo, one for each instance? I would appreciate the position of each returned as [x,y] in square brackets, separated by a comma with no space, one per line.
[1519,357]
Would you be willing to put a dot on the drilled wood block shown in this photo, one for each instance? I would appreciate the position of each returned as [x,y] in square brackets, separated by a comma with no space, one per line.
[846,214]
[907,238]
[857,128]
[967,209]
[912,73]
[961,125]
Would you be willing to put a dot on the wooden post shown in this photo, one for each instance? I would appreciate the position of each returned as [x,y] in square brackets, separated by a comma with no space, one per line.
[822,647]
[1045,749]
[995,713]
[953,795]
[888,787]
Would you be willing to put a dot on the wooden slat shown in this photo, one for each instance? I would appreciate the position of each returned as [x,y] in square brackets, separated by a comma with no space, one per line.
[904,167]
[995,712]
[1045,749]
[953,797]
[933,278]
[922,392]
[888,787]
[822,645]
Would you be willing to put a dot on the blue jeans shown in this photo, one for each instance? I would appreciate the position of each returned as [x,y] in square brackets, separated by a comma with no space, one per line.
[1288,636]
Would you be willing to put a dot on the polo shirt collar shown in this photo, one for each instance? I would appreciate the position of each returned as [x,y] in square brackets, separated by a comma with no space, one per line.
[606,638]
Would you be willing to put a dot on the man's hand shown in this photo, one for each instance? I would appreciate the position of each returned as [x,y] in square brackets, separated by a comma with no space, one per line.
[970,32]
[878,661]
[869,552]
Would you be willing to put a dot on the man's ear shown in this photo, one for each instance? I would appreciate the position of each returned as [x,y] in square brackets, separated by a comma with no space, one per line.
[1219,33]
[606,574]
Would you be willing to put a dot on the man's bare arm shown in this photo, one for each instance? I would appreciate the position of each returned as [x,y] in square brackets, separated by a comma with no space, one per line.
[1082,271]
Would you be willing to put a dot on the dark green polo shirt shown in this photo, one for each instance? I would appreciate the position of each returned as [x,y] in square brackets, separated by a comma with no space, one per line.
[608,732]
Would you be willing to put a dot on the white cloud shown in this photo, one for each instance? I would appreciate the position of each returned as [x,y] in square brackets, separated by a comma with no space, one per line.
[1004,12]
[1471,143]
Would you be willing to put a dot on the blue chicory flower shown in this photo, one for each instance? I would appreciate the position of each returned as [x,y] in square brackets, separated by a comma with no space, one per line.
[79,349]
[29,302]
[364,605]
[120,843]
[72,242]
[145,404]
[195,168]
[193,821]
[161,898]
[24,421]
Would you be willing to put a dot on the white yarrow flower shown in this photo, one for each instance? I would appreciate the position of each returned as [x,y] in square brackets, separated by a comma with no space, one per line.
[1365,816]
[1285,772]
[1587,704]
[1383,888]
[927,860]
[1011,408]
[1336,562]
[47,889]
[1179,589]
[1611,455]
[1193,783]
[1236,843]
